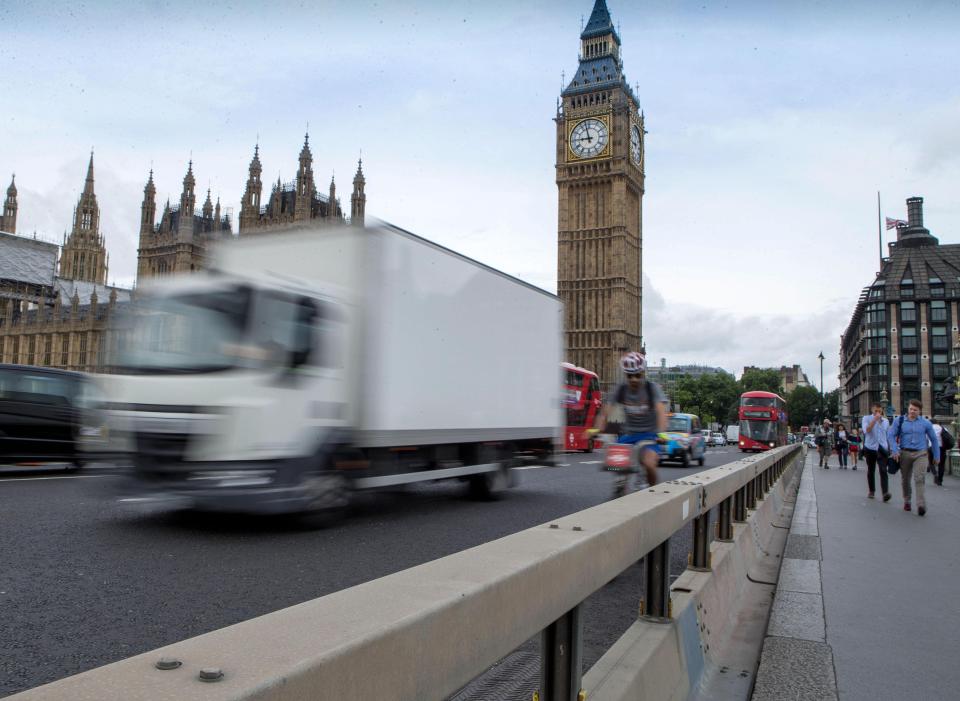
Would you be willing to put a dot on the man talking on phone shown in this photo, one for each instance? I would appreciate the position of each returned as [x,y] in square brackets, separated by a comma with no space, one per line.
[874,427]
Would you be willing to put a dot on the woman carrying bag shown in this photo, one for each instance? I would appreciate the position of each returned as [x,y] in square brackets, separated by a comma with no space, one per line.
[840,445]
[854,440]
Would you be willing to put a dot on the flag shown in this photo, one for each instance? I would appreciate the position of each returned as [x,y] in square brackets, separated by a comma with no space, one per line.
[894,223]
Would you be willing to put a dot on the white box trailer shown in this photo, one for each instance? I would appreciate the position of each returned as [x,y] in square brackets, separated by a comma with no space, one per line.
[307,364]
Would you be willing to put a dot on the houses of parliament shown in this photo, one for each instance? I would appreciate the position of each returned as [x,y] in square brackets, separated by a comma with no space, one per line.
[56,307]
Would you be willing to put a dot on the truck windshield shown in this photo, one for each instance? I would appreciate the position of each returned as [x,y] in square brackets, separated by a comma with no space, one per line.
[197,332]
[678,424]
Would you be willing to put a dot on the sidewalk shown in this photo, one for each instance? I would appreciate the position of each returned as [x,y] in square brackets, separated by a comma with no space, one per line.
[884,610]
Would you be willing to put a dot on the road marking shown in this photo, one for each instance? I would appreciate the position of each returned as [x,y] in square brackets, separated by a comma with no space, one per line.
[591,462]
[62,477]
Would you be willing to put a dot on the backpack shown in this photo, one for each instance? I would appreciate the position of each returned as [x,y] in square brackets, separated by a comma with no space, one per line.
[947,439]
[616,422]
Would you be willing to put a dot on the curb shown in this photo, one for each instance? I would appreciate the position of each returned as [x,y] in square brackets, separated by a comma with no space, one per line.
[797,662]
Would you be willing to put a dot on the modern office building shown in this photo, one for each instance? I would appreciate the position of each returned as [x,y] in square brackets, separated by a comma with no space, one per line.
[897,345]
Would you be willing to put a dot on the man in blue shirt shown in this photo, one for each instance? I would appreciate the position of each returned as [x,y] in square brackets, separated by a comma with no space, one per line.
[874,427]
[908,443]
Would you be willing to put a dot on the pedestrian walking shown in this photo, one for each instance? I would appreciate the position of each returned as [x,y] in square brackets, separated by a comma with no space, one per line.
[947,442]
[841,445]
[824,441]
[855,442]
[876,449]
[932,464]
[908,438]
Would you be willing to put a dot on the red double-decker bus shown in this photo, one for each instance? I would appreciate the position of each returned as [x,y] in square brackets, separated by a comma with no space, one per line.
[582,401]
[763,421]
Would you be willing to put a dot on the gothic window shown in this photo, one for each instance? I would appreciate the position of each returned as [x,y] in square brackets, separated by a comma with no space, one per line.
[2,344]
[65,350]
[83,349]
[47,347]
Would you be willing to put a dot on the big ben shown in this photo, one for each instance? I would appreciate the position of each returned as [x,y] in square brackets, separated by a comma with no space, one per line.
[600,179]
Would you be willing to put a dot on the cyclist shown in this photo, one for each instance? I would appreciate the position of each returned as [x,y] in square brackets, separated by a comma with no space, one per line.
[644,413]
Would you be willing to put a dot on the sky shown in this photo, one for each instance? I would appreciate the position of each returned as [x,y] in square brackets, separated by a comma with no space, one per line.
[772,128]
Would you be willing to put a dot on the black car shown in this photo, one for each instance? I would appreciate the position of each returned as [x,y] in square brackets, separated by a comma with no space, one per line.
[45,416]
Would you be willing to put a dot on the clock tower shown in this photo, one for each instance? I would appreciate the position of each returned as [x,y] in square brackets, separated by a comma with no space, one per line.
[599,161]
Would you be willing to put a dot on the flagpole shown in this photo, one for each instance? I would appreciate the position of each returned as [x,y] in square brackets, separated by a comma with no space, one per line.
[879,230]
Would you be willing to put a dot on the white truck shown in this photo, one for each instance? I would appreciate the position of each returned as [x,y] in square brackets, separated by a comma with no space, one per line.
[307,364]
[733,434]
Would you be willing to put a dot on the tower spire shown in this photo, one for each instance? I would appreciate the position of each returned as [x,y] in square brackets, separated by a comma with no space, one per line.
[8,215]
[88,185]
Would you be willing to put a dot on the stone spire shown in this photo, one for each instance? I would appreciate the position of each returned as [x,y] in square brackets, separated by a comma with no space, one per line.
[332,199]
[8,217]
[188,202]
[252,194]
[88,185]
[303,207]
[358,200]
[84,256]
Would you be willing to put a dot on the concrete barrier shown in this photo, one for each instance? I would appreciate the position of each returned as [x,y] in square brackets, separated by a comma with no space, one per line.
[425,632]
[719,618]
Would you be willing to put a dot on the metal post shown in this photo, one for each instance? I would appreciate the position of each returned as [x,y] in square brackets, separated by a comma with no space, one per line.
[822,417]
[752,494]
[561,645]
[657,571]
[724,524]
[740,505]
[701,543]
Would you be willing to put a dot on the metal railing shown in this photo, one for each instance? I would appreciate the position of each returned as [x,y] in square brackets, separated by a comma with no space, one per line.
[425,632]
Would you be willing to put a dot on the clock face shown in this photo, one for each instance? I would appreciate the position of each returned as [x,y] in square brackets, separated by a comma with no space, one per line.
[636,144]
[589,138]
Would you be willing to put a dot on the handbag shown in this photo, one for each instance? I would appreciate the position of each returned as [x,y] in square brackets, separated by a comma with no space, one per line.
[893,467]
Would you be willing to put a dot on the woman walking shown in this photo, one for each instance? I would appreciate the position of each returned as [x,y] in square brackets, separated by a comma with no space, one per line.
[854,440]
[841,445]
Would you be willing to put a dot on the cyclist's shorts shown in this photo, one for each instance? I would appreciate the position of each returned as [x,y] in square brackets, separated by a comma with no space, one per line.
[633,438]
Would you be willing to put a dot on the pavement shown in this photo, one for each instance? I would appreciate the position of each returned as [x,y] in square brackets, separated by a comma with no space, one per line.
[865,605]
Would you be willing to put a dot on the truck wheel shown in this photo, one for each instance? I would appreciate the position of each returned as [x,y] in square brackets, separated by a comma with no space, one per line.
[491,485]
[329,498]
[700,461]
[685,458]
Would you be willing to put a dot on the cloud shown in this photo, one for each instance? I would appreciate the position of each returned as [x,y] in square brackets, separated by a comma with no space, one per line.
[694,334]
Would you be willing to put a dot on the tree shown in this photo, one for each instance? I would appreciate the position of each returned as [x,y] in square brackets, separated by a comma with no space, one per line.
[760,380]
[803,404]
[831,401]
[709,396]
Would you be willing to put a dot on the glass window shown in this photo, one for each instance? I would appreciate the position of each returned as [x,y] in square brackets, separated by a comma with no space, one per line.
[910,370]
[906,291]
[939,343]
[908,312]
[941,358]
[941,371]
[936,290]
[938,311]
[908,343]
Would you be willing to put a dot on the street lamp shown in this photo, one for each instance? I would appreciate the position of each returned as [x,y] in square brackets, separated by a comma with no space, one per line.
[821,386]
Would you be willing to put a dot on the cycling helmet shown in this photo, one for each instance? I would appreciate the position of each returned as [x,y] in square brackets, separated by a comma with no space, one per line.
[632,363]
